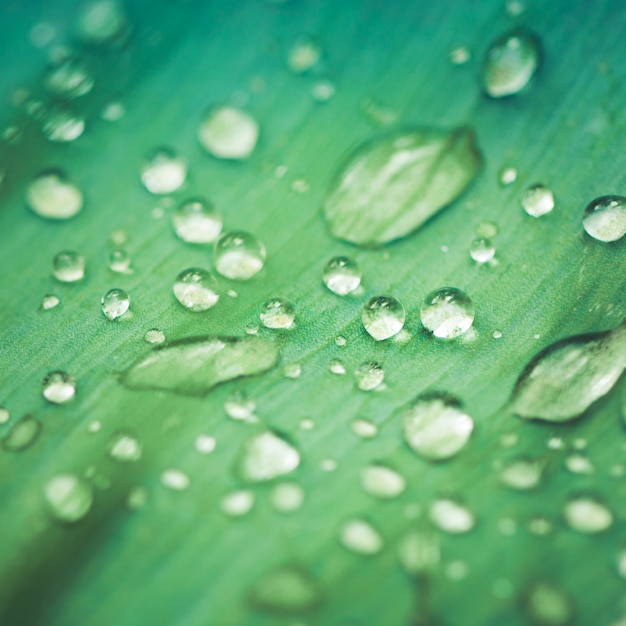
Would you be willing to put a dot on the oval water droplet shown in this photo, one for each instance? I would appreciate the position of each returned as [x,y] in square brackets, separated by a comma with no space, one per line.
[68,267]
[154,336]
[363,428]
[163,171]
[195,365]
[358,535]
[59,387]
[390,186]
[50,195]
[237,503]
[196,289]
[447,312]
[451,516]
[175,479]
[266,456]
[604,218]
[69,497]
[277,313]
[102,22]
[22,434]
[238,255]
[538,200]
[287,497]
[115,303]
[197,221]
[383,317]
[125,447]
[382,482]
[49,302]
[229,133]
[369,375]
[342,275]
[587,514]
[521,474]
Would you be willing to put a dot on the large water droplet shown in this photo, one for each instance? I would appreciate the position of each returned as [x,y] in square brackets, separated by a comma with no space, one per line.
[196,289]
[383,317]
[22,434]
[115,303]
[69,79]
[436,427]
[587,515]
[63,126]
[510,63]
[382,482]
[125,447]
[266,456]
[447,312]
[358,535]
[69,497]
[68,267]
[50,195]
[451,516]
[238,255]
[163,171]
[229,133]
[392,185]
[195,365]
[538,200]
[197,221]
[277,313]
[59,387]
[563,380]
[342,275]
[604,219]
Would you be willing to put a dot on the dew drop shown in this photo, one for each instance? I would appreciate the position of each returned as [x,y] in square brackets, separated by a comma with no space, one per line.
[115,303]
[22,434]
[459,55]
[369,375]
[63,127]
[341,275]
[238,255]
[303,55]
[266,456]
[69,79]
[587,514]
[205,444]
[419,552]
[287,497]
[548,605]
[451,516]
[340,341]
[154,336]
[383,317]
[137,498]
[277,313]
[482,250]
[521,474]
[579,464]
[365,429]
[359,536]
[382,482]
[175,480]
[49,302]
[538,200]
[336,366]
[292,370]
[4,415]
[68,267]
[196,289]
[237,503]
[239,407]
[229,133]
[69,497]
[507,176]
[163,171]
[59,387]
[447,312]
[101,22]
[197,221]
[125,447]
[51,196]
[604,218]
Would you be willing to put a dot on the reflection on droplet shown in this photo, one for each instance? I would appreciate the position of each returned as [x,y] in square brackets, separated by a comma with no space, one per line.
[238,255]
[604,218]
[50,195]
[196,289]
[59,387]
[163,171]
[383,317]
[69,497]
[229,133]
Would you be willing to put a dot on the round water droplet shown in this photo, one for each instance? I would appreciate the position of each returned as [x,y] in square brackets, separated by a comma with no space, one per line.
[436,427]
[175,480]
[287,497]
[277,313]
[369,375]
[22,434]
[69,79]
[119,261]
[304,54]
[154,336]
[101,22]
[538,200]
[451,517]
[521,474]
[51,196]
[59,387]
[341,275]
[115,303]
[69,497]
[511,62]
[197,221]
[196,289]
[382,482]
[163,171]
[205,444]
[604,219]
[364,428]
[336,366]
[49,302]
[238,255]
[447,312]
[548,605]
[266,456]
[587,514]
[237,503]
[229,133]
[482,250]
[361,537]
[125,447]
[340,341]
[63,126]
[507,176]
[383,317]
[68,267]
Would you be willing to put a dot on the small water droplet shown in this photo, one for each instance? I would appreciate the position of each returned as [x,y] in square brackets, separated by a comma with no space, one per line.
[538,200]
[69,497]
[521,474]
[341,275]
[239,407]
[337,367]
[266,456]
[59,387]
[510,63]
[119,261]
[22,434]
[457,570]
[287,497]
[175,479]
[382,482]
[507,176]
[304,54]
[436,427]
[205,444]
[196,289]
[113,112]
[586,514]
[328,465]
[548,605]
[63,127]
[68,267]
[364,428]
[482,250]
[163,171]
[238,255]
[340,341]
[115,303]
[125,447]
[459,55]
[323,90]
[49,302]
[52,196]
[540,526]
[359,536]
[307,424]
[102,22]
[137,498]
[579,464]
[229,133]
[4,415]
[447,312]
[69,79]
[154,336]
[419,552]
[369,375]
[451,516]
[383,317]
[197,221]
[237,503]
[497,334]
[604,218]
[277,313]
[292,370]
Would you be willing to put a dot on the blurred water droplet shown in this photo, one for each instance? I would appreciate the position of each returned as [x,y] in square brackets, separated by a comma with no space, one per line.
[457,570]
[579,464]
[341,275]
[238,255]
[292,370]
[197,221]
[287,497]
[59,387]
[63,126]
[369,375]
[383,317]
[538,200]
[237,503]
[115,303]
[125,447]
[50,195]
[364,428]
[540,526]
[336,366]
[521,474]
[323,90]
[69,497]
[514,7]
[459,55]
[42,34]
[497,334]
[277,313]
[328,465]
[239,407]
[4,415]
[447,312]
[68,267]
[113,112]
[163,171]
[102,22]
[419,552]
[266,456]
[137,498]
[548,605]
[205,444]
[507,176]
[196,289]
[359,536]
[119,261]
[22,434]
[229,133]
[175,479]
[451,516]
[69,79]
[587,514]
[482,250]
[604,218]
[382,482]
[49,302]
[304,54]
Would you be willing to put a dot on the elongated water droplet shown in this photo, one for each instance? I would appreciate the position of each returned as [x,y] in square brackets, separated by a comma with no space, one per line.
[604,218]
[521,474]
[392,185]
[63,126]
[287,497]
[237,503]
[510,63]
[229,133]
[238,255]
[383,317]
[369,375]
[195,365]
[587,515]
[341,275]
[59,387]
[447,312]
[196,289]
[125,447]
[68,497]
[451,516]
[358,535]
[50,195]
[266,456]
[436,427]
[538,200]
[68,267]
[382,482]
[563,380]
[197,221]
[277,313]
[69,79]
[163,171]
[22,434]
[115,303]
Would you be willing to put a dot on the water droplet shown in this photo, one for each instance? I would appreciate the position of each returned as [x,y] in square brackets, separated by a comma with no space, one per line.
[119,261]
[69,79]
[390,186]
[205,444]
[514,7]
[50,195]
[341,275]
[125,447]
[137,498]
[49,302]
[238,255]
[579,464]
[197,221]
[42,34]
[382,482]
[229,133]
[447,312]
[68,267]
[307,424]
[364,428]
[115,303]
[59,387]
[101,22]
[507,176]
[195,365]
[336,366]
[69,497]
[587,514]
[436,427]
[521,474]
[292,370]
[304,54]
[63,126]
[266,456]
[358,535]
[457,570]
[482,250]
[154,336]
[239,407]
[497,334]
[175,479]
[548,605]
[237,503]
[323,90]
[287,497]
[369,375]
[4,415]
[22,434]
[564,379]
[459,55]
[510,63]
[277,313]
[540,526]
[163,171]
[604,219]
[196,289]
[383,317]
[419,552]
[538,200]
[328,465]
[451,516]
[340,341]
[113,112]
